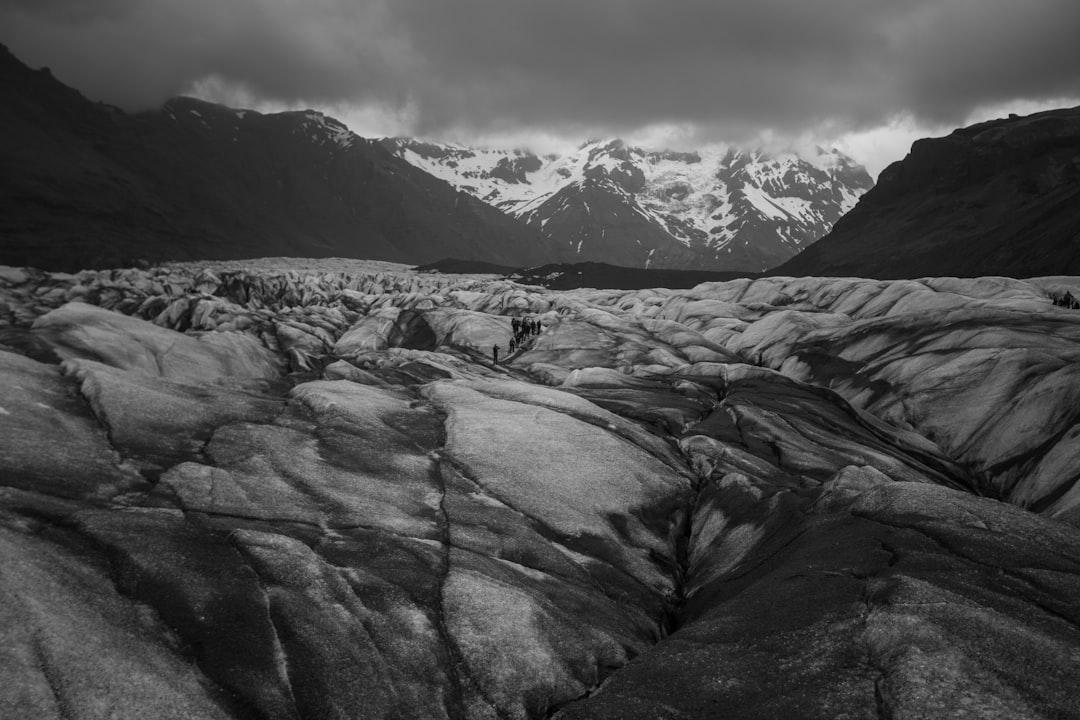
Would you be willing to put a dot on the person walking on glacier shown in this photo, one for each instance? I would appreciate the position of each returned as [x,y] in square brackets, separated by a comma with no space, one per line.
[495,354]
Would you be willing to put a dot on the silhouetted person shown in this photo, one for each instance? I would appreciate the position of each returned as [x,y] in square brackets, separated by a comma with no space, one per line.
[495,354]
[513,345]
[516,324]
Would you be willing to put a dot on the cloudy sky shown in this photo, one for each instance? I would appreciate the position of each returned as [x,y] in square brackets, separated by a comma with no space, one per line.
[867,75]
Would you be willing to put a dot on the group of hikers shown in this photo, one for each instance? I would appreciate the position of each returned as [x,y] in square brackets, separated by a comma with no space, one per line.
[524,328]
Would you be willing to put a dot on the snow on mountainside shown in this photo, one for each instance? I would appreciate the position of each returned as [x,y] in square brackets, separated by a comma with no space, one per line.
[720,207]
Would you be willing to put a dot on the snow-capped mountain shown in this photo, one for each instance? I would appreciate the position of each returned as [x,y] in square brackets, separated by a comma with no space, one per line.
[720,207]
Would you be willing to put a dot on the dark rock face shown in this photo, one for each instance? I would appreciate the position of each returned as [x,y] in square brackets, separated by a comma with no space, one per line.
[514,170]
[756,498]
[85,185]
[998,198]
[596,223]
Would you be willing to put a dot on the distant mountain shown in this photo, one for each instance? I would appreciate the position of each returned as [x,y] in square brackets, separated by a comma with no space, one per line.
[997,198]
[84,184]
[720,208]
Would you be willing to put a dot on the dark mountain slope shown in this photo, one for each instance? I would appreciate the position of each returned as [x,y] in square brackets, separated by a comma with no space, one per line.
[87,185]
[997,198]
[597,220]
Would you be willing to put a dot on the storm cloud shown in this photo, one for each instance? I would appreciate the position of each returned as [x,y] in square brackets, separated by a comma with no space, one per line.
[508,65]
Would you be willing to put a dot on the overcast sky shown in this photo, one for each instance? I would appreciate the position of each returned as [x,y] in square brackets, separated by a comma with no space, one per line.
[867,75]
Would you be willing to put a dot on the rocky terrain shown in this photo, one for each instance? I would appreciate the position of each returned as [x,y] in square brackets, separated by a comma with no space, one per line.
[284,489]
[720,207]
[85,185]
[997,198]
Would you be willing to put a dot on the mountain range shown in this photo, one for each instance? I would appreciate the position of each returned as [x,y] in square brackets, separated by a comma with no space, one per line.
[86,184]
[716,208]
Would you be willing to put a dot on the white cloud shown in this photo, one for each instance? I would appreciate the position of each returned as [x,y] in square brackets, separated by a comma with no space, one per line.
[877,147]
[369,120]
[606,67]
[874,148]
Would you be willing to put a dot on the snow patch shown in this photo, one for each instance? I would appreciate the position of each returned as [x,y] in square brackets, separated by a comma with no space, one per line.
[765,204]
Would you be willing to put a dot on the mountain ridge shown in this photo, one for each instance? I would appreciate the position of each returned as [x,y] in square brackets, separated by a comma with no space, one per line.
[719,207]
[89,185]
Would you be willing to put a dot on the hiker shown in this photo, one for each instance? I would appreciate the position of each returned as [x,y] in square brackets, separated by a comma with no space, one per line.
[513,345]
[495,354]
[516,324]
